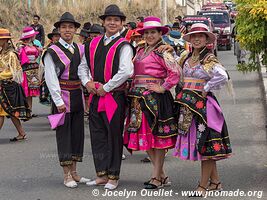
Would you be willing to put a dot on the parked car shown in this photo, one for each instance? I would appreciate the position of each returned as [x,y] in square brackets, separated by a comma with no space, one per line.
[192,19]
[222,23]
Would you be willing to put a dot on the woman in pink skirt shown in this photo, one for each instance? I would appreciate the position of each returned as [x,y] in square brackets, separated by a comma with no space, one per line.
[151,124]
[29,55]
[203,134]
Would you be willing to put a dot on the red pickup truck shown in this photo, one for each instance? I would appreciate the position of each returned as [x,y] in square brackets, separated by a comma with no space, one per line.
[222,23]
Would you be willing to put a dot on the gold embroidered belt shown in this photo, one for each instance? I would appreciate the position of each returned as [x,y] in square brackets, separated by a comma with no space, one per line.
[194,84]
[143,81]
[69,84]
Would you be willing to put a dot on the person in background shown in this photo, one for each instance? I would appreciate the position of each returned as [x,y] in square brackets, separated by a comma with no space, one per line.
[13,102]
[188,27]
[174,39]
[140,22]
[45,97]
[239,52]
[38,28]
[84,33]
[29,55]
[53,37]
[96,30]
[176,26]
[131,25]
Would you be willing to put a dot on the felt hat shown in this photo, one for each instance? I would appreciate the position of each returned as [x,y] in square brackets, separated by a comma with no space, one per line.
[152,22]
[112,10]
[54,32]
[67,17]
[200,28]
[5,34]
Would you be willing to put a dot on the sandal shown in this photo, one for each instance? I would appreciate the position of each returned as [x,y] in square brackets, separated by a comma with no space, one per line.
[18,138]
[34,115]
[166,182]
[151,186]
[217,186]
[146,160]
[199,193]
[147,182]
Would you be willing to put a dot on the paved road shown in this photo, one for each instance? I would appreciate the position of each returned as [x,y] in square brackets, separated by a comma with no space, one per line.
[30,171]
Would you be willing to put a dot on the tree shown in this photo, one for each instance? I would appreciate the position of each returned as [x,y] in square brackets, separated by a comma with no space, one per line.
[251,25]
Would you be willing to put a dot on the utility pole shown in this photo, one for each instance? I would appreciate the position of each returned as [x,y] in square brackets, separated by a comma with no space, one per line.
[164,13]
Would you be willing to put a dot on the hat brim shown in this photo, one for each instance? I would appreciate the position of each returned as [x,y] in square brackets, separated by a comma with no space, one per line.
[5,37]
[96,32]
[163,29]
[29,36]
[103,17]
[136,35]
[211,36]
[57,24]
[50,35]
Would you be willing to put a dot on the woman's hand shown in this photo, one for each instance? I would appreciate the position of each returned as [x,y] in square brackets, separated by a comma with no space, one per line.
[166,47]
[204,94]
[156,88]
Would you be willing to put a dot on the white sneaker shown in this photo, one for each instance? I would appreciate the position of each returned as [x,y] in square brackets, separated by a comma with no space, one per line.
[93,183]
[123,157]
[71,184]
[110,186]
[84,180]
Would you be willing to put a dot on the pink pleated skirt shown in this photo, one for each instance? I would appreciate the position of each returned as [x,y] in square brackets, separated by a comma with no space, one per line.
[144,139]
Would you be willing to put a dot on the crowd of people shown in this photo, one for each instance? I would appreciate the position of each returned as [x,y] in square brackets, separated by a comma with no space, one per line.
[121,76]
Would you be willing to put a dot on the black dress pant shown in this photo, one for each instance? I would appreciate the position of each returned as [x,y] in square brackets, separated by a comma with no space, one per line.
[106,138]
[70,138]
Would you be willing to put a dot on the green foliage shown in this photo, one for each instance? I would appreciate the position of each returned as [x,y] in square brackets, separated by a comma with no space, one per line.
[251,31]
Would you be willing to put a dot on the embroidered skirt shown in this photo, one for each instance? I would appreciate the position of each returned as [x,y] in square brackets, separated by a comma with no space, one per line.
[151,122]
[202,129]
[13,100]
[31,82]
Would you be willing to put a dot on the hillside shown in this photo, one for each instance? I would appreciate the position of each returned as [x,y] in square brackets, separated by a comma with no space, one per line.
[17,14]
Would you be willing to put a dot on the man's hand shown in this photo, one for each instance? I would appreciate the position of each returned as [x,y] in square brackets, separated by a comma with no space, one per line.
[100,91]
[156,88]
[167,48]
[90,86]
[61,109]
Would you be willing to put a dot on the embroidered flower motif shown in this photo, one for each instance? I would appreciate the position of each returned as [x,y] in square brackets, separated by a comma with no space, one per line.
[145,92]
[179,96]
[201,128]
[200,104]
[217,147]
[188,98]
[166,129]
[160,129]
